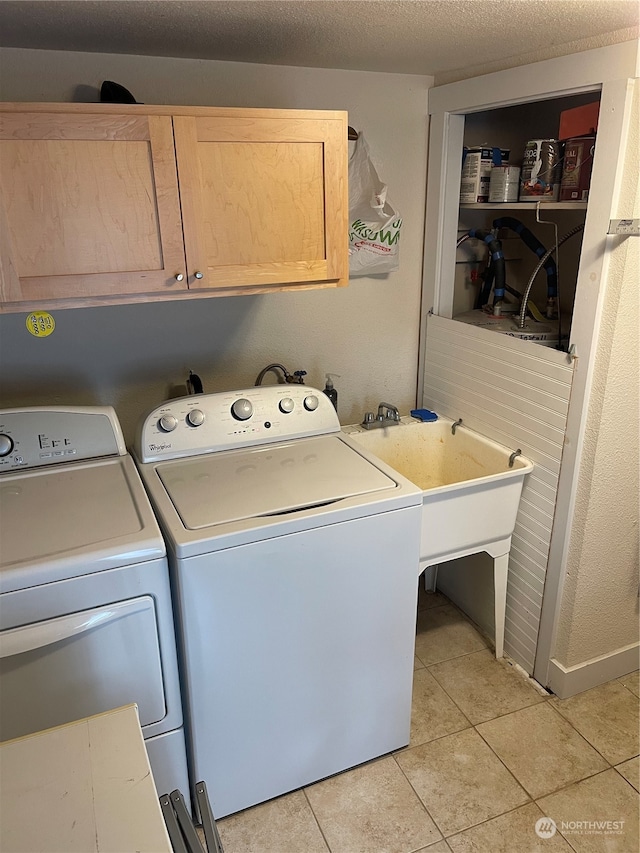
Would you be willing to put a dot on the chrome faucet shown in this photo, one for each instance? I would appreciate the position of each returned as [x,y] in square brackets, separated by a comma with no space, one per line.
[296,378]
[388,415]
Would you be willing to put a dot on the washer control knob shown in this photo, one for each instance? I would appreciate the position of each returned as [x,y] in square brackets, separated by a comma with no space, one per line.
[167,423]
[6,445]
[195,417]
[242,409]
[286,405]
[311,403]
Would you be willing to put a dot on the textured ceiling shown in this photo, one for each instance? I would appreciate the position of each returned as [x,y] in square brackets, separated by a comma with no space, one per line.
[409,36]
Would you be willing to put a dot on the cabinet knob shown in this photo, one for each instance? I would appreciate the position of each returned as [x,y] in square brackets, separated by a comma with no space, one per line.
[198,274]
[179,276]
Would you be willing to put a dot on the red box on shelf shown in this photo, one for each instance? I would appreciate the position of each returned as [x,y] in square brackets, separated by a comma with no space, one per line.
[579,121]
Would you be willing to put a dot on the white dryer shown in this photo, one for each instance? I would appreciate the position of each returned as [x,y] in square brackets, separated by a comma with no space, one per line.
[295,558]
[86,621]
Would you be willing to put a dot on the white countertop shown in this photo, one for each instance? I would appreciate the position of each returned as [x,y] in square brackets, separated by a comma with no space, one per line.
[85,787]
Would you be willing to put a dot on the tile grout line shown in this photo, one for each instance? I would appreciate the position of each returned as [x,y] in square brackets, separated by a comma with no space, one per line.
[555,791]
[566,787]
[421,801]
[454,657]
[570,784]
[624,685]
[451,699]
[408,748]
[615,767]
[489,819]
[584,738]
[315,817]
[473,825]
[490,719]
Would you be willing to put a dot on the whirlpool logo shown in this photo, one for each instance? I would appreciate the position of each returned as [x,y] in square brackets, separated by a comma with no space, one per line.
[158,448]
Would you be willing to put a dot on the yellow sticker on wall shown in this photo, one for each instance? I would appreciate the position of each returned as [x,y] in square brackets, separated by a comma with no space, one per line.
[40,324]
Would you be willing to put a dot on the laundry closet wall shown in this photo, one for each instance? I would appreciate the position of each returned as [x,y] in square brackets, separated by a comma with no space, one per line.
[134,356]
[599,613]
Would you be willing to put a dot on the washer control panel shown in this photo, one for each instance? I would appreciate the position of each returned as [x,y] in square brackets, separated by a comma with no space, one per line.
[42,435]
[206,423]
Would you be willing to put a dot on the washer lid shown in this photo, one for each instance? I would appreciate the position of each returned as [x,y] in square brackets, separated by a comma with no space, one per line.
[74,519]
[236,485]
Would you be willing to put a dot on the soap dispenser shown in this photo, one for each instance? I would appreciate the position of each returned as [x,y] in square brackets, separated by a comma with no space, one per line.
[330,391]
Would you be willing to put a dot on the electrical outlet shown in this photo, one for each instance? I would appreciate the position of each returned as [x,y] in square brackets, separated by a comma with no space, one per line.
[624,226]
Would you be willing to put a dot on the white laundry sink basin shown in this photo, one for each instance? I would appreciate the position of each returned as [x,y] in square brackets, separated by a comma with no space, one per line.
[470,493]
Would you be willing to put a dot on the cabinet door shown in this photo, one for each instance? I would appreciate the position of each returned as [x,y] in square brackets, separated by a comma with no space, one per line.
[264,199]
[90,207]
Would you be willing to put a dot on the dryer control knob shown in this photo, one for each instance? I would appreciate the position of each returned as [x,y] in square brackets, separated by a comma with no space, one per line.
[167,423]
[6,445]
[311,403]
[242,409]
[286,405]
[195,418]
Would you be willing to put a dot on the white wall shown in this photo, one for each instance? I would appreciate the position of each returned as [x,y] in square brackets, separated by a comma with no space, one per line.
[135,356]
[599,613]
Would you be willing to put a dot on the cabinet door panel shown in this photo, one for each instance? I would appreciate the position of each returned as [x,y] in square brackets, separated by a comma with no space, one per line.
[283,181]
[91,206]
[80,186]
[255,197]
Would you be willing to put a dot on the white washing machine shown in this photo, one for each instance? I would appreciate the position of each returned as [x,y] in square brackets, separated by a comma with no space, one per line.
[294,557]
[86,621]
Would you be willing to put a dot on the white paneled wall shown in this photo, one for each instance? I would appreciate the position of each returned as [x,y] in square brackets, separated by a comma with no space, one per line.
[518,394]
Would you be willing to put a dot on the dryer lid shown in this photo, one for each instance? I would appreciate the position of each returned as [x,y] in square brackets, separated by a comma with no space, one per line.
[95,514]
[271,480]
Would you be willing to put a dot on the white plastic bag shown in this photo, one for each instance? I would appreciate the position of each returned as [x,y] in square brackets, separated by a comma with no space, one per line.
[374,224]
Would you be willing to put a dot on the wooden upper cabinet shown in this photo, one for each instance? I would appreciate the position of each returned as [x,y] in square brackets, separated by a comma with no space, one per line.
[264,198]
[108,203]
[90,206]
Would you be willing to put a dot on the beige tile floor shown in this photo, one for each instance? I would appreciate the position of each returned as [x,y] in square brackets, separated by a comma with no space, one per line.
[490,754]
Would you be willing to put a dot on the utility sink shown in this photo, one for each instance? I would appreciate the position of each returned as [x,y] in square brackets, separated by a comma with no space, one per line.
[470,491]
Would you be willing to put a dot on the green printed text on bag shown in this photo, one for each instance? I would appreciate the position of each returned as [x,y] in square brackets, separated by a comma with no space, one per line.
[374,230]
